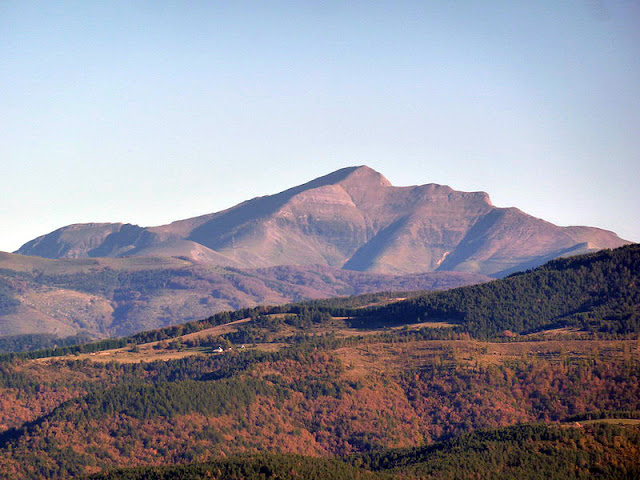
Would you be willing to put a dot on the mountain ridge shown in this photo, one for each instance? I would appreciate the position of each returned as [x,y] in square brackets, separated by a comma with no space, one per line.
[354,219]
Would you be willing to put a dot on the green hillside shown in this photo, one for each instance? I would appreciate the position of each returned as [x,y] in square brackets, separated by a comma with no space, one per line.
[597,292]
[525,451]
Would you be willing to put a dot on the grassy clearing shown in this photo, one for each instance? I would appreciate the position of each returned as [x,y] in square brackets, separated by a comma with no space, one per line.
[341,329]
[216,331]
[397,356]
[386,301]
[574,332]
[557,347]
[127,355]
[379,357]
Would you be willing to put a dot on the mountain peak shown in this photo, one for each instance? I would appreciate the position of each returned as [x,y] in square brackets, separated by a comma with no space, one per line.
[366,176]
[361,174]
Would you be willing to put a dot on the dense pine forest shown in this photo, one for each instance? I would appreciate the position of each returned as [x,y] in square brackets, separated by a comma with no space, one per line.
[597,292]
[391,385]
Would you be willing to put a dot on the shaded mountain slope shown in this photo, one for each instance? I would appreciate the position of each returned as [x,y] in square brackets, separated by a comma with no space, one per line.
[353,219]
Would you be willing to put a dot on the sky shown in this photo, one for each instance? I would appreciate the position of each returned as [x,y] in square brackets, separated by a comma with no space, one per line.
[147,112]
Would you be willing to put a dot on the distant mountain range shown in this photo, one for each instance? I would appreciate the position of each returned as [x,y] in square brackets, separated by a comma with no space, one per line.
[352,219]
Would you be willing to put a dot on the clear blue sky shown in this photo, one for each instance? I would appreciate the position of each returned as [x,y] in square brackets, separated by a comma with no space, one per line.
[152,111]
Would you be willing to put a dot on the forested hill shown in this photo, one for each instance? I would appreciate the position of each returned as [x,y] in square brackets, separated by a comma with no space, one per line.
[597,292]
[524,451]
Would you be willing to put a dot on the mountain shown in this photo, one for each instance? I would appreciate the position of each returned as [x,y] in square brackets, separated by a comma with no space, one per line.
[102,297]
[352,219]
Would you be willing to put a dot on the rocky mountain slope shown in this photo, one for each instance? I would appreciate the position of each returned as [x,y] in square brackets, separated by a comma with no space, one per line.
[352,219]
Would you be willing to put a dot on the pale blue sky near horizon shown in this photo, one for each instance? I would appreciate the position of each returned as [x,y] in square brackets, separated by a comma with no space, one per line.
[148,112]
